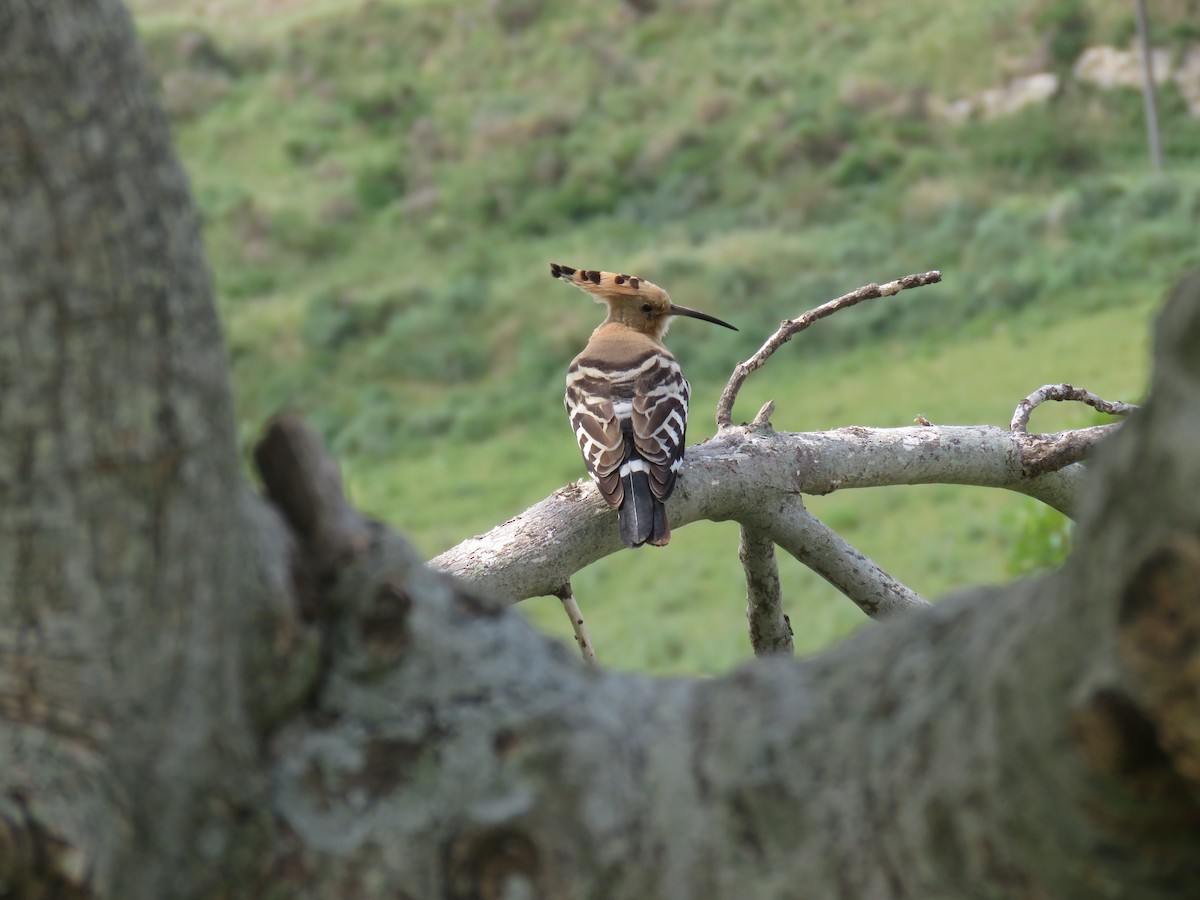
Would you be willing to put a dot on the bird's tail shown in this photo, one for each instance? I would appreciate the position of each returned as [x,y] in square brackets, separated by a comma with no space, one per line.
[643,516]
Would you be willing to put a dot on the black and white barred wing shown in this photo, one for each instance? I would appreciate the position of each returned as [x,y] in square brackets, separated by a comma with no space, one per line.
[597,430]
[659,416]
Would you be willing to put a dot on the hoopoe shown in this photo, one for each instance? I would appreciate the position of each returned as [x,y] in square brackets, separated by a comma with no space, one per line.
[628,400]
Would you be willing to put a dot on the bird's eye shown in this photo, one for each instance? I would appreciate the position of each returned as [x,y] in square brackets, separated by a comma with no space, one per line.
[646,307]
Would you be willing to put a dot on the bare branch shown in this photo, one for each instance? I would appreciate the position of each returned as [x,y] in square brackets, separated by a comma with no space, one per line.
[763,417]
[791,327]
[828,554]
[302,479]
[1064,391]
[575,614]
[742,471]
[770,630]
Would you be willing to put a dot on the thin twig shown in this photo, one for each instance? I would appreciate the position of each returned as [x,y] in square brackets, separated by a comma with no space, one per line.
[763,418]
[1064,391]
[791,327]
[575,614]
[770,630]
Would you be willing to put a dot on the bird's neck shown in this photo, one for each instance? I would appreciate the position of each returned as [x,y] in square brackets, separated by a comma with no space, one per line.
[634,320]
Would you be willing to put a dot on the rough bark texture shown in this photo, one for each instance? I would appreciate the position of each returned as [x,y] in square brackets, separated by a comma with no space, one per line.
[126,577]
[747,473]
[172,727]
[770,630]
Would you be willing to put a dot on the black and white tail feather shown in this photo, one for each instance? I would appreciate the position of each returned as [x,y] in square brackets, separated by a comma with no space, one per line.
[642,515]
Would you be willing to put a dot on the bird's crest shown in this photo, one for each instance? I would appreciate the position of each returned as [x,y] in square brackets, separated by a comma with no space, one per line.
[609,284]
[632,301]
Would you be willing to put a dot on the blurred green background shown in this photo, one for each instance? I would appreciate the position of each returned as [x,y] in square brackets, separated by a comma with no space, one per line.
[383,183]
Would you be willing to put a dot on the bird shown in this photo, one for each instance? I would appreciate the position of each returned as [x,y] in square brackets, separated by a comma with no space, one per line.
[627,400]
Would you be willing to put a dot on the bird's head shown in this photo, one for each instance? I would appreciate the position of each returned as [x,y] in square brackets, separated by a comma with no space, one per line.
[632,301]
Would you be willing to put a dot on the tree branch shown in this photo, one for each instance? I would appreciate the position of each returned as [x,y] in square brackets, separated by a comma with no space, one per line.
[1064,391]
[827,553]
[1052,452]
[770,630]
[571,607]
[305,483]
[791,327]
[737,473]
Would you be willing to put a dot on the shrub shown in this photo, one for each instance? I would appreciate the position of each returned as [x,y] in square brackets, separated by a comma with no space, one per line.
[1068,26]
[435,337]
[1153,198]
[866,163]
[1038,142]
[1041,542]
[246,281]
[389,109]
[337,317]
[294,231]
[379,185]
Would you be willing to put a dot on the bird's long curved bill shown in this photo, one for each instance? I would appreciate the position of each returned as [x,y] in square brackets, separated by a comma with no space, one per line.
[695,314]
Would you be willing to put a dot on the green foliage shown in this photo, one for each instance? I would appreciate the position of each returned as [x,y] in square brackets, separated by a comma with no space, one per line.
[387,108]
[379,185]
[337,319]
[1042,539]
[245,282]
[867,163]
[1124,31]
[1068,27]
[1184,32]
[1037,143]
[292,230]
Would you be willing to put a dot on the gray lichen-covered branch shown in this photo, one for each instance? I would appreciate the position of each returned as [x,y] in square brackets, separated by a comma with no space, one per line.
[744,470]
[770,630]
[1061,392]
[827,553]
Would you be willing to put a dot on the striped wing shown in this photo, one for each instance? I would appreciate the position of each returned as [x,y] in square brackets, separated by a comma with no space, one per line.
[630,419]
[597,429]
[659,419]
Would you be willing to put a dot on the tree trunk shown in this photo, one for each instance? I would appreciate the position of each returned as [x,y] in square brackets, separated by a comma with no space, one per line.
[127,573]
[1149,85]
[206,695]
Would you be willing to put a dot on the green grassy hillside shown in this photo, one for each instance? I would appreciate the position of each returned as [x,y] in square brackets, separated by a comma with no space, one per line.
[385,182]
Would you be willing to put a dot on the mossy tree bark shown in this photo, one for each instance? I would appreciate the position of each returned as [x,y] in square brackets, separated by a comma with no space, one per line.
[204,694]
[128,572]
